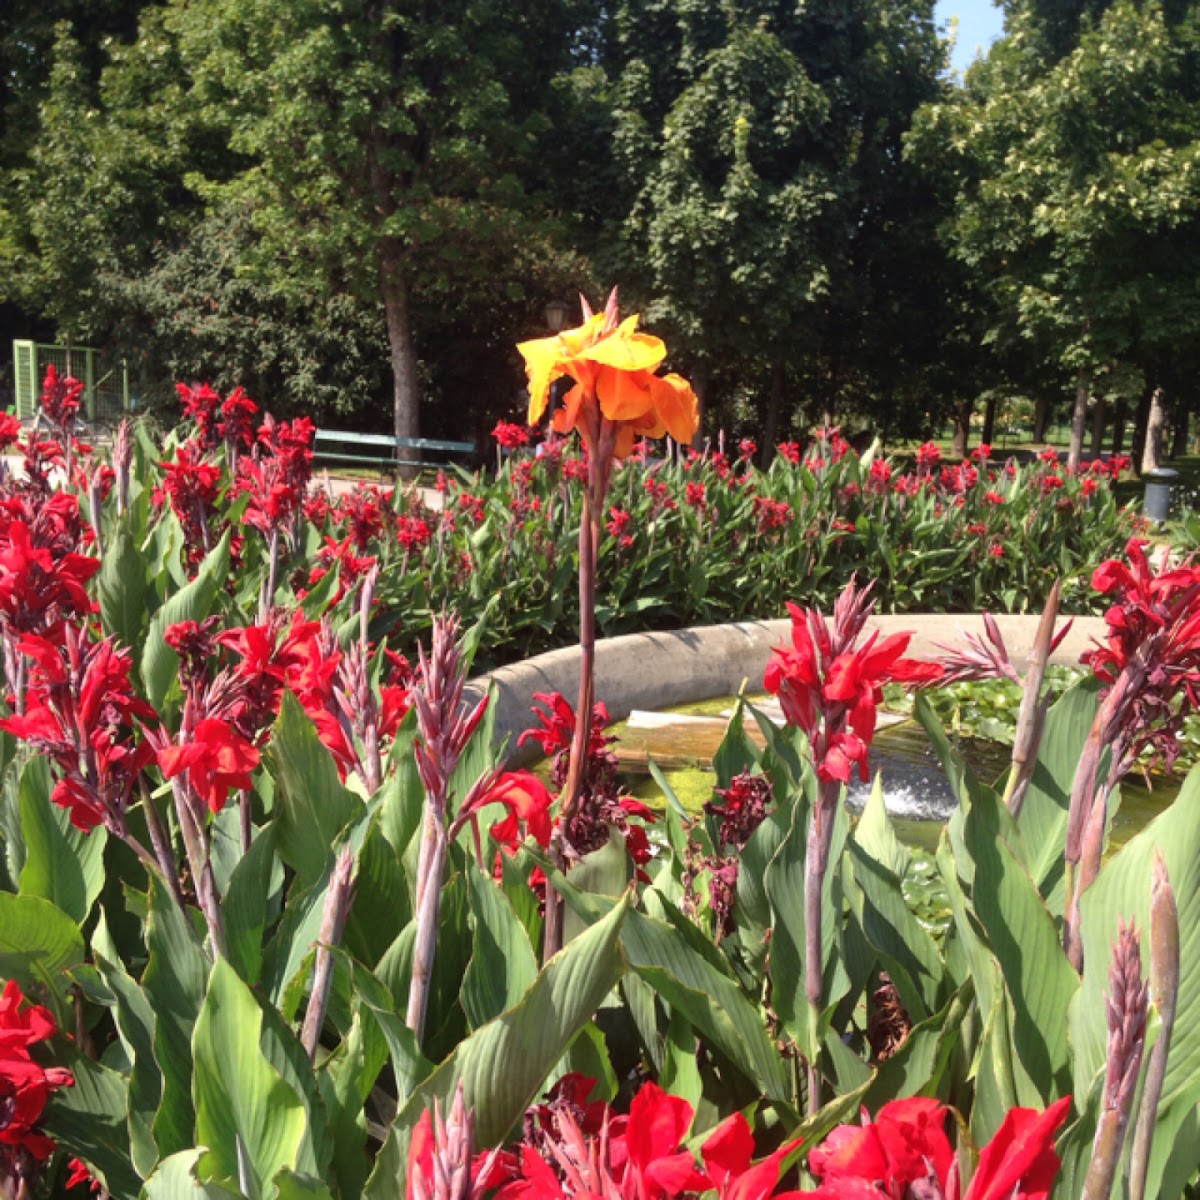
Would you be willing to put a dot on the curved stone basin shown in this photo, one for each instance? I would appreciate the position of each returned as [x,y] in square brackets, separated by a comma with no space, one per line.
[660,671]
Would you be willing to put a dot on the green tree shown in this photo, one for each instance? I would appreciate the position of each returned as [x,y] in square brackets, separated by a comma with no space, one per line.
[764,141]
[376,143]
[1080,193]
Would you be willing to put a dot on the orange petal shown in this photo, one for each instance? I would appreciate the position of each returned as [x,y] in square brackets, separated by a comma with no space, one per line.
[676,405]
[624,395]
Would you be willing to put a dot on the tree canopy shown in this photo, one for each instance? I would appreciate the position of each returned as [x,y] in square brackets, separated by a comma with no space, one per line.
[355,206]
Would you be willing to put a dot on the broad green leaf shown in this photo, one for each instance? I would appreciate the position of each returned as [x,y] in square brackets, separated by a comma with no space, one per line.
[381,898]
[160,664]
[288,1185]
[785,888]
[244,1109]
[1043,818]
[311,805]
[503,965]
[681,966]
[910,955]
[1122,891]
[38,942]
[1025,940]
[874,833]
[62,864]
[136,1024]
[88,1120]
[402,795]
[603,872]
[188,1175]
[681,1074]
[502,1065]
[122,586]
[246,909]
[174,983]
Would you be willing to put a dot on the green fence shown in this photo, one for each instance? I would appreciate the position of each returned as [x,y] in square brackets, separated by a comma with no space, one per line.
[105,379]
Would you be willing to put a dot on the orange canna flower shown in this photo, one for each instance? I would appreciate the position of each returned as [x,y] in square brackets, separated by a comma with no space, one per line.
[614,372]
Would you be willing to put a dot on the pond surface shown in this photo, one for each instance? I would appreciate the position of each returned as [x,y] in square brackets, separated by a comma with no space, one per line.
[682,743]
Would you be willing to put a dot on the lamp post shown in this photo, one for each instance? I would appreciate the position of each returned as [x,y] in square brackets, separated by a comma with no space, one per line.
[556,315]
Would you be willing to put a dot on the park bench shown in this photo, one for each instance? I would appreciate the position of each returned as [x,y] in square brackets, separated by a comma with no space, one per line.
[382,450]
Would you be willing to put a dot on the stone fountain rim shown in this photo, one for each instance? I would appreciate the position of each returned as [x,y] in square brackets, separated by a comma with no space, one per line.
[666,669]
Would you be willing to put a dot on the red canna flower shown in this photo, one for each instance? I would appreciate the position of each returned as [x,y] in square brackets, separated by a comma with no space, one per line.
[905,1152]
[215,760]
[79,712]
[510,435]
[527,799]
[831,688]
[25,1086]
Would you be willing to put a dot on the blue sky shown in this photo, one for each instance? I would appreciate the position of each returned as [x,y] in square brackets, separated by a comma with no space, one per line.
[979,23]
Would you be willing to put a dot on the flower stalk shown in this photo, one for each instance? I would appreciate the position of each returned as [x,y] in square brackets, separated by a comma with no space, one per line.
[338,902]
[1164,992]
[444,728]
[1128,999]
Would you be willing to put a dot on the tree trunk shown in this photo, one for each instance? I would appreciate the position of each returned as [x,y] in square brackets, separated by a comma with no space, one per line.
[1140,421]
[774,405]
[989,420]
[1179,437]
[393,288]
[1155,423]
[1078,423]
[1118,426]
[1098,426]
[1041,417]
[962,429]
[406,396]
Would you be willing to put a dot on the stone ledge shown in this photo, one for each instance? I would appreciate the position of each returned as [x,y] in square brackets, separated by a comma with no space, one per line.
[667,669]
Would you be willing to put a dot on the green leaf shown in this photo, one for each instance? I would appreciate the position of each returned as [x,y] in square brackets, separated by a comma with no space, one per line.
[1025,940]
[1043,819]
[246,908]
[174,983]
[38,942]
[188,1175]
[160,664]
[503,965]
[785,888]
[502,1065]
[89,1121]
[62,864]
[245,1113]
[911,958]
[311,805]
[683,967]
[136,1024]
[122,587]
[1122,891]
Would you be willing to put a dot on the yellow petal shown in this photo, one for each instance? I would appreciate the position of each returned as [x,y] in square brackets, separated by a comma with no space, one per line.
[626,350]
[676,406]
[544,364]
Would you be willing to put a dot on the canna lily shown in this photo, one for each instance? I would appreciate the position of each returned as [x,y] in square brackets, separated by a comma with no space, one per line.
[614,369]
[905,1152]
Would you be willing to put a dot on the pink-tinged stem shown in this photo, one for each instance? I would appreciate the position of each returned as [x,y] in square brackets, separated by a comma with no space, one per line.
[1032,714]
[163,853]
[338,901]
[429,886]
[1164,991]
[195,843]
[816,862]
